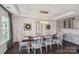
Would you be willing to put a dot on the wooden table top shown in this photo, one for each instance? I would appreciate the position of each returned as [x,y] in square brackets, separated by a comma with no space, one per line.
[30,38]
[27,40]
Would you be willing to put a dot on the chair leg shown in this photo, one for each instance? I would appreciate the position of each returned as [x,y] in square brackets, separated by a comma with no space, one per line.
[50,47]
[61,44]
[58,45]
[46,48]
[41,50]
[34,51]
[19,49]
[28,50]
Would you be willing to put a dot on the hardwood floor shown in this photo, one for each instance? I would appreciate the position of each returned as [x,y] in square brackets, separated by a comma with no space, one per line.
[67,48]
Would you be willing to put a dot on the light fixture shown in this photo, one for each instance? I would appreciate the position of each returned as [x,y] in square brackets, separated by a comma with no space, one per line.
[45,12]
[44,22]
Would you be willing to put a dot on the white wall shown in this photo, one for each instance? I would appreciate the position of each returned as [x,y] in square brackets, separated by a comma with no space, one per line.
[76,24]
[52,30]
[18,26]
[53,27]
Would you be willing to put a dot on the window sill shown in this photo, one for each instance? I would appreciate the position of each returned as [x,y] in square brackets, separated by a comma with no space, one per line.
[3,42]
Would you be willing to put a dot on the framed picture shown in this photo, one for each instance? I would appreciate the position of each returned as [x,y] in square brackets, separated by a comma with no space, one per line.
[48,26]
[27,26]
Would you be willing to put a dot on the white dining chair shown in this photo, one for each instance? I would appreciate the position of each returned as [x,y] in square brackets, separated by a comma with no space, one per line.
[59,40]
[47,41]
[37,44]
[22,44]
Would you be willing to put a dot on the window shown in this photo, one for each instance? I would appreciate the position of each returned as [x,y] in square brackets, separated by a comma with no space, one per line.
[69,23]
[4,26]
[64,24]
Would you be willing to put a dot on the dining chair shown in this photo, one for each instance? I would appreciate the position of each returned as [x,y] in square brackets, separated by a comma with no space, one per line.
[59,39]
[37,44]
[47,41]
[22,44]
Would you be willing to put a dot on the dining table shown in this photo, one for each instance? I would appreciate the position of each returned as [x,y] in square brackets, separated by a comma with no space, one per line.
[27,38]
[31,38]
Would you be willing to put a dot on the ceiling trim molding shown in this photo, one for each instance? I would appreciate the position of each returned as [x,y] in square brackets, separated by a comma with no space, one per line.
[63,15]
[5,9]
[34,17]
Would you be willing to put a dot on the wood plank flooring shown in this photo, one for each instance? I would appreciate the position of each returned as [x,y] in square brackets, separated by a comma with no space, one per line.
[67,48]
